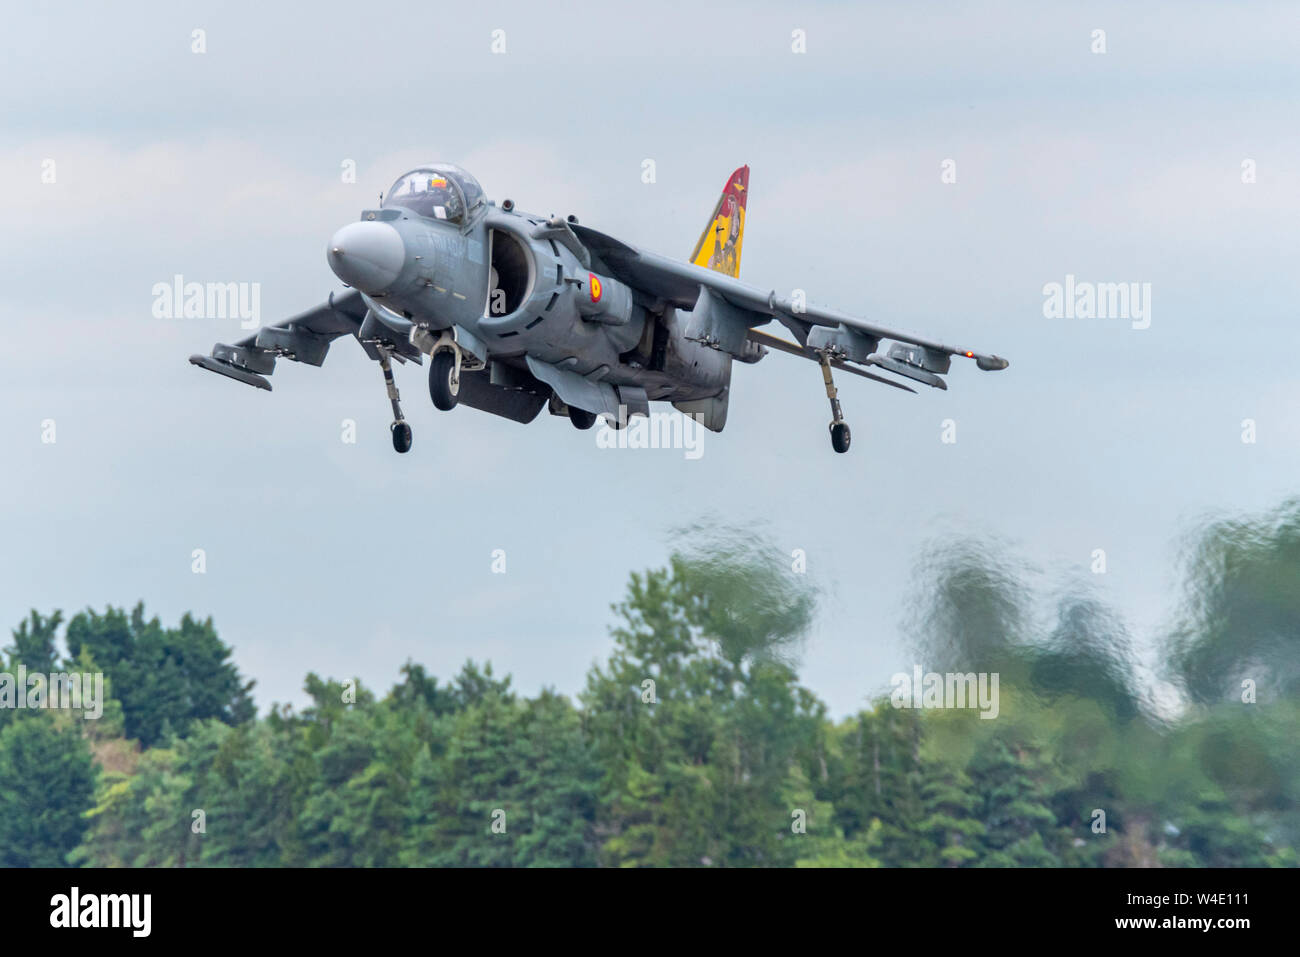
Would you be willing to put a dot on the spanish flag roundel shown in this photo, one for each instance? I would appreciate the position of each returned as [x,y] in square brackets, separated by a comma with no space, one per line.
[594,280]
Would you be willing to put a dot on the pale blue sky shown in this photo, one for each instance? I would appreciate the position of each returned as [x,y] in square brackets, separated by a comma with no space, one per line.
[346,559]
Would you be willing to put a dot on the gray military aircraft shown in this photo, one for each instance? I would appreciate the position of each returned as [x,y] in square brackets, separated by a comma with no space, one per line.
[518,311]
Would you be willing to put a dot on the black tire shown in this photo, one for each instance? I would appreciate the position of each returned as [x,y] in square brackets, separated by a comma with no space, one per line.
[581,418]
[401,436]
[840,436]
[444,394]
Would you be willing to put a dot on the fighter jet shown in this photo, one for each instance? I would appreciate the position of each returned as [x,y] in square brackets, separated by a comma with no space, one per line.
[517,312]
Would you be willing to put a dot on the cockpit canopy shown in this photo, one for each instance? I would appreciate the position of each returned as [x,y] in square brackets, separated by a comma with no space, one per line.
[438,191]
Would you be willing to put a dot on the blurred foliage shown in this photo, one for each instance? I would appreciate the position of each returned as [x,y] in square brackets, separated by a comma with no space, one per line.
[1241,617]
[694,744]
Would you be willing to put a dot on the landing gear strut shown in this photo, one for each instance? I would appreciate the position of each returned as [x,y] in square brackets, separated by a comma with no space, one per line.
[401,431]
[840,435]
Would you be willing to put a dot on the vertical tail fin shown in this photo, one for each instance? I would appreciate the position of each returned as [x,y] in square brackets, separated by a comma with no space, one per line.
[719,245]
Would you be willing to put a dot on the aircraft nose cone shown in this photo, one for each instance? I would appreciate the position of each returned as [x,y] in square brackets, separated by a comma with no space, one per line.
[367,256]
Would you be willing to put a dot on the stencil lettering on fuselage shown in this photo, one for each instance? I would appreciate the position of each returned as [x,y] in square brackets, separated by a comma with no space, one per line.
[448,251]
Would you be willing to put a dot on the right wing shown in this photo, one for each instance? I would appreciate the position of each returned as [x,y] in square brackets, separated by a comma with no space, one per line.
[781,345]
[304,338]
[724,312]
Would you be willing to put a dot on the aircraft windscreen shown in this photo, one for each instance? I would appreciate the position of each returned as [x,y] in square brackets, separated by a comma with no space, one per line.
[441,191]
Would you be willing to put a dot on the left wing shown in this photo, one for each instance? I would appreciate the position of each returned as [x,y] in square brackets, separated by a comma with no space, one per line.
[304,338]
[724,312]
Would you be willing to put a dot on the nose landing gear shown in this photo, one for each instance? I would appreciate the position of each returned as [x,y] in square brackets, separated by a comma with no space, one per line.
[840,434]
[401,436]
[401,431]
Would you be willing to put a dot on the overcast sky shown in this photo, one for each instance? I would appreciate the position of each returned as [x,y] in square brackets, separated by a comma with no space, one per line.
[1122,166]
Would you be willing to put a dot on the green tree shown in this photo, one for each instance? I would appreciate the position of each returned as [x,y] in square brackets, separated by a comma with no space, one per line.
[355,812]
[951,822]
[49,784]
[1020,828]
[475,818]
[165,678]
[253,794]
[558,787]
[35,643]
[697,718]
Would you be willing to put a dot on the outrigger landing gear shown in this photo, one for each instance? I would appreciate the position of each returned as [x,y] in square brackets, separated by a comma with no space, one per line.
[581,418]
[401,431]
[840,435]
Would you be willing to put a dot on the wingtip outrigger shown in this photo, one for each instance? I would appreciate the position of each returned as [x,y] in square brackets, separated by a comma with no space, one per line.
[213,364]
[988,363]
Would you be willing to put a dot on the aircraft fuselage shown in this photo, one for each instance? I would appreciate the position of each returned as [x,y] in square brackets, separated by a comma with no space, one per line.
[510,285]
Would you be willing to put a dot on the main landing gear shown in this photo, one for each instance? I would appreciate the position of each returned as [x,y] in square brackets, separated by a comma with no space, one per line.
[840,434]
[444,379]
[401,431]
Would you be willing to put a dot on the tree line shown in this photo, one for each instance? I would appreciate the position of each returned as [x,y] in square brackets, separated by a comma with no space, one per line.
[694,743]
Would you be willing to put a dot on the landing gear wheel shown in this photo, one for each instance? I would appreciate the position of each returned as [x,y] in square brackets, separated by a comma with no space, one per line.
[401,436]
[444,392]
[581,418]
[840,436]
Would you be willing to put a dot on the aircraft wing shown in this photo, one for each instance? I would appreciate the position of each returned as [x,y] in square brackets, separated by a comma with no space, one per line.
[772,342]
[731,309]
[304,338]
